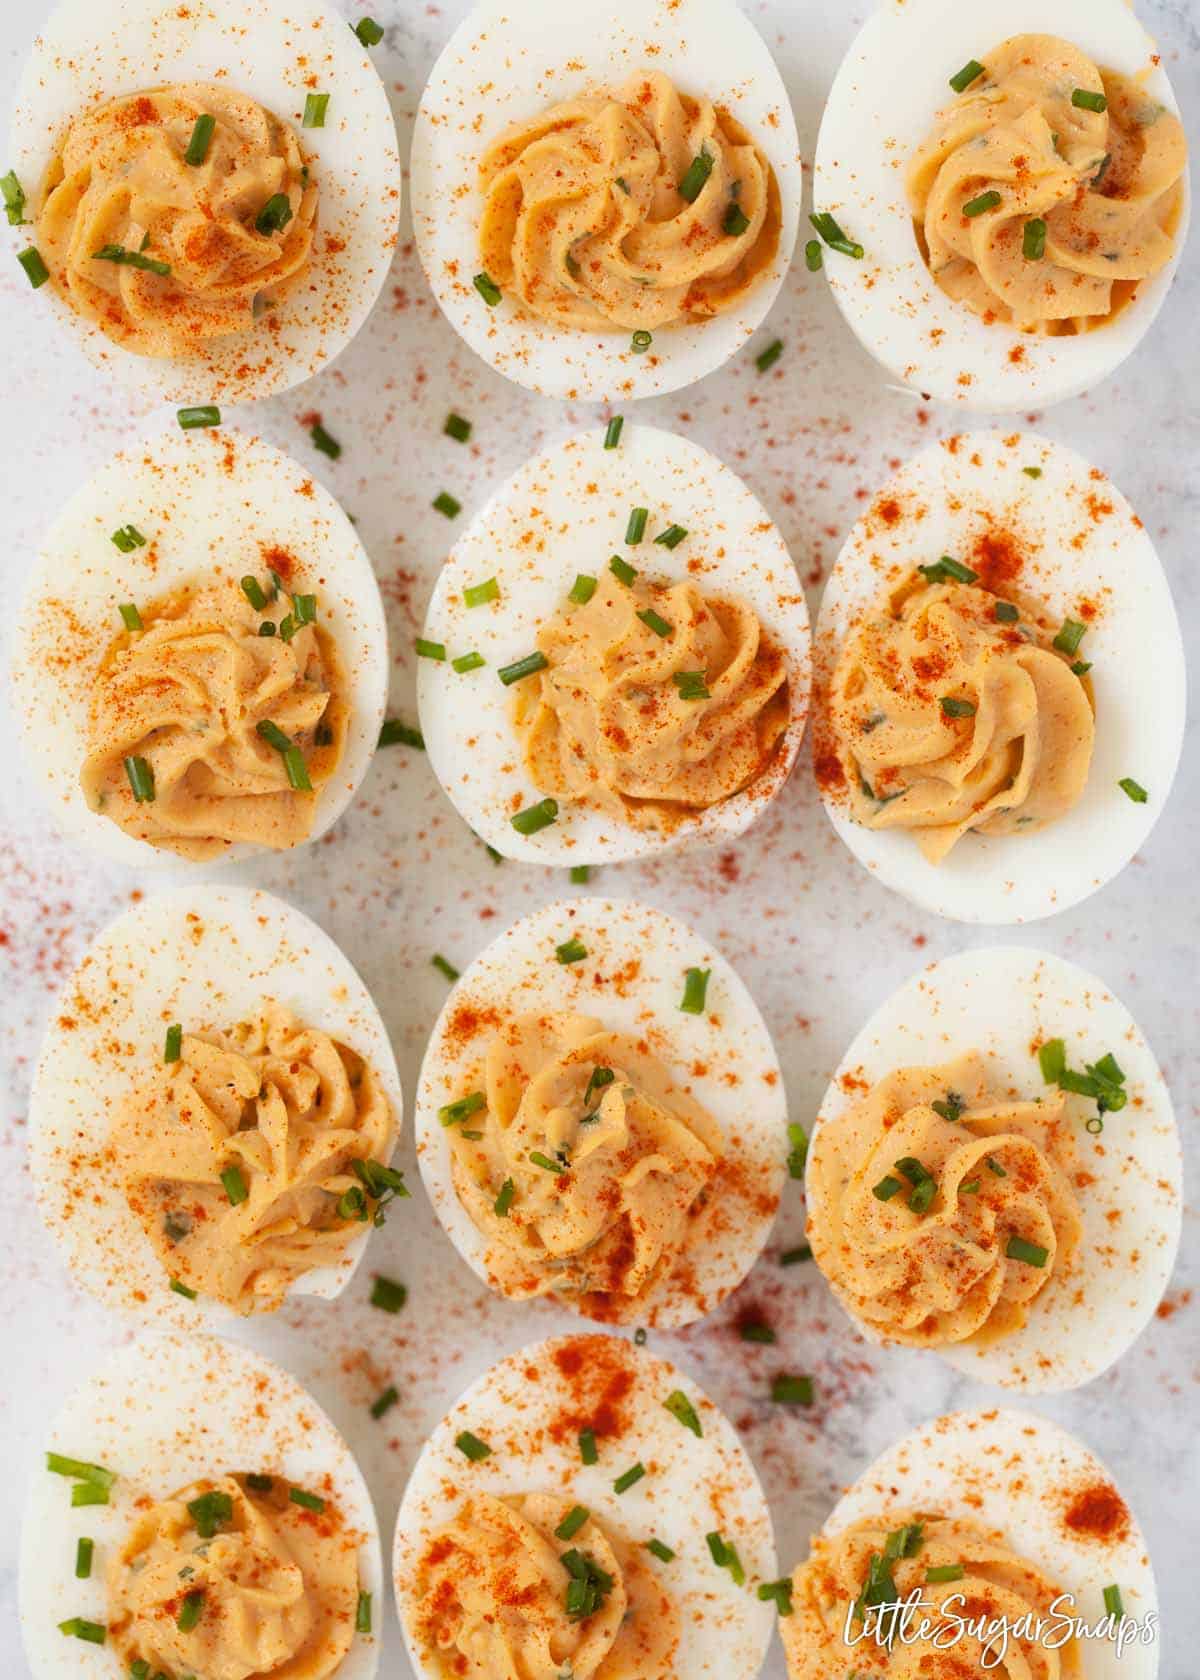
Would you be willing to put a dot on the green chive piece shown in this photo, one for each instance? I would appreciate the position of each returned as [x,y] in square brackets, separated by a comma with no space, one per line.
[235,1185]
[1080,668]
[671,537]
[141,780]
[1084,100]
[36,271]
[451,1113]
[546,1163]
[697,174]
[663,1553]
[948,567]
[636,528]
[324,441]
[796,1256]
[581,873]
[479,594]
[181,1288]
[1033,240]
[724,1554]
[468,662]
[885,1189]
[1114,1604]
[14,199]
[628,1478]
[315,107]
[254,592]
[190,1610]
[792,1391]
[429,650]
[814,257]
[92,1633]
[1032,472]
[612,435]
[582,589]
[574,1520]
[84,1548]
[736,220]
[362,1615]
[695,990]
[587,1446]
[487,289]
[457,428]
[307,1501]
[287,627]
[945,1572]
[140,1670]
[197,146]
[130,259]
[691,685]
[798,1152]
[275,214]
[504,1200]
[293,758]
[384,1402]
[682,1410]
[259,1484]
[1052,1058]
[445,503]
[956,708]
[922,1195]
[655,621]
[767,358]
[368,31]
[388,1295]
[130,616]
[192,419]
[1070,636]
[520,668]
[1006,613]
[536,817]
[641,342]
[393,730]
[1133,790]
[88,1493]
[470,1446]
[209,1511]
[950,1109]
[978,206]
[443,967]
[994,1166]
[128,538]
[833,236]
[760,1334]
[173,1047]
[970,72]
[622,570]
[1031,1254]
[572,951]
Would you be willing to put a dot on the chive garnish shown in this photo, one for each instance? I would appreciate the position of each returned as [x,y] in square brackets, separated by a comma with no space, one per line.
[1084,100]
[362,1614]
[601,1079]
[571,951]
[1033,240]
[546,1162]
[736,220]
[950,1108]
[628,1478]
[393,730]
[131,618]
[948,567]
[612,435]
[582,589]
[1114,1604]
[127,538]
[768,357]
[695,990]
[368,31]
[636,528]
[197,146]
[76,1627]
[1005,612]
[971,1188]
[443,967]
[209,1511]
[141,779]
[324,441]
[192,419]
[487,289]
[536,817]
[293,758]
[451,1113]
[275,214]
[519,668]
[457,428]
[662,1552]
[1031,1254]
[833,236]
[885,1189]
[970,72]
[955,708]
[173,1046]
[130,259]
[315,106]
[814,258]
[88,1493]
[384,1402]
[671,537]
[682,1410]
[140,1670]
[655,621]
[190,1610]
[587,1446]
[795,1256]
[465,662]
[574,1520]
[479,594]
[978,206]
[780,1592]
[760,1334]
[697,174]
[945,1572]
[388,1295]
[36,271]
[235,1185]
[581,872]
[792,1391]
[504,1200]
[725,1555]
[1133,790]
[1052,1059]
[84,1548]
[641,342]
[798,1150]
[445,503]
[1032,472]
[1081,667]
[470,1446]
[254,592]
[14,199]
[1070,636]
[691,685]
[588,1587]
[994,1166]
[429,650]
[181,1288]
[258,1483]
[622,570]
[307,1501]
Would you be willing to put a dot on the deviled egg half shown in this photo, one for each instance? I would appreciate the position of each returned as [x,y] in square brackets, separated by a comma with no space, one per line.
[200,665]
[585,1509]
[209,194]
[1012,180]
[213,1111]
[1000,681]
[1010,1547]
[615,660]
[601,1116]
[197,1513]
[995,1172]
[605,195]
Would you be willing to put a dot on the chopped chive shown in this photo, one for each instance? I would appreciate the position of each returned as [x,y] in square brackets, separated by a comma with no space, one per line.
[259,1484]
[1006,613]
[465,662]
[1070,636]
[662,1552]
[970,72]
[443,967]
[315,107]
[191,419]
[88,1493]
[92,1633]
[80,1470]
[695,990]
[949,1109]
[1133,790]
[84,1549]
[130,616]
[1033,240]
[445,503]
[922,1195]
[393,730]
[368,31]
[574,1520]
[451,1113]
[582,589]
[601,1079]
[287,627]
[956,708]
[470,1446]
[173,1047]
[697,174]
[1081,667]
[612,435]
[293,758]
[622,570]
[767,358]
[792,1391]
[1052,1059]
[128,538]
[691,685]
[948,567]
[571,951]
[795,1256]
[725,1555]
[388,1295]
[581,872]
[985,201]
[197,146]
[140,1670]
[190,1610]
[885,1189]
[429,650]
[209,1512]
[636,528]
[362,1614]
[1114,1604]
[1031,1254]
[235,1185]
[275,214]
[655,621]
[736,220]
[130,259]
[945,1572]
[479,594]
[628,1478]
[181,1288]
[671,537]
[1084,100]
[487,289]
[504,1200]
[535,817]
[1032,472]
[833,236]
[324,441]
[254,592]
[641,342]
[307,1501]
[385,1402]
[141,779]
[971,1188]
[520,668]
[266,628]
[761,1334]
[546,1162]
[814,258]
[587,1446]
[36,271]
[14,199]
[995,1166]
[682,1410]
[798,1152]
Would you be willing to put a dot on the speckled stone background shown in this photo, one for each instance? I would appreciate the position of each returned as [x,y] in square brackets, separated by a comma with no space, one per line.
[819,943]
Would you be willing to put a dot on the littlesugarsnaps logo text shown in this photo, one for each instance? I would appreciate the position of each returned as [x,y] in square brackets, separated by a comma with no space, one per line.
[916,1620]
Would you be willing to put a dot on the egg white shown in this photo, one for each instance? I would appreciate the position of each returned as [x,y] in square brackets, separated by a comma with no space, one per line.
[1015,1471]
[505,65]
[208,503]
[565,511]
[202,956]
[1001,1001]
[277,51]
[694,1486]
[965,485]
[742,1087]
[882,105]
[167,1410]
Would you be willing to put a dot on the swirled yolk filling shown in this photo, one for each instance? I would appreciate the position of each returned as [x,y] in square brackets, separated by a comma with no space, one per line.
[231,1580]
[583,1161]
[640,210]
[1049,190]
[171,217]
[499,1593]
[656,703]
[238,1157]
[954,712]
[977,1581]
[204,732]
[939,1212]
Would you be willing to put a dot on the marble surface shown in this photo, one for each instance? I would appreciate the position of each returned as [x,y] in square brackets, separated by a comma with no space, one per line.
[819,943]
